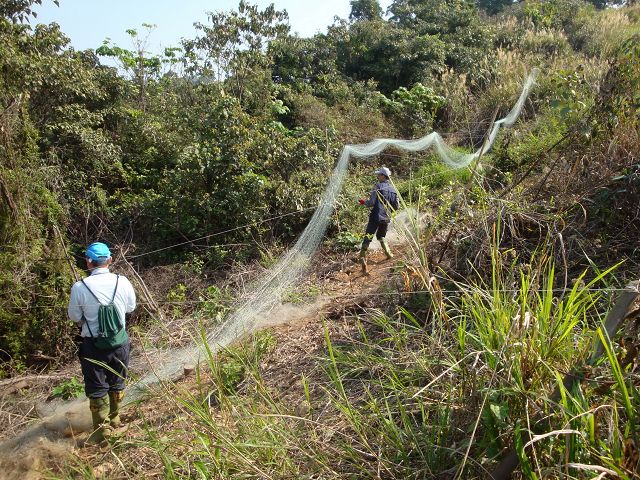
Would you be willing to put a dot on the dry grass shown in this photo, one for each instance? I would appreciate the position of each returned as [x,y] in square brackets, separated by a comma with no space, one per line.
[612,27]
[22,398]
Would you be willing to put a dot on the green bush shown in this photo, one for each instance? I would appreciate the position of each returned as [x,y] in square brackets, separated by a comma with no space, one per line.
[415,108]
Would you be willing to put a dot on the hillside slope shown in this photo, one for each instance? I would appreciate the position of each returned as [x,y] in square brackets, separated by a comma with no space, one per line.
[441,363]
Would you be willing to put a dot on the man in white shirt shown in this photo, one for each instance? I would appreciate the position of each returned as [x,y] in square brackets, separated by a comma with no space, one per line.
[104,370]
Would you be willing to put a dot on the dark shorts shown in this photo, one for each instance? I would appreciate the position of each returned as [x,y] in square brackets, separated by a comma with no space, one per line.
[377,228]
[104,371]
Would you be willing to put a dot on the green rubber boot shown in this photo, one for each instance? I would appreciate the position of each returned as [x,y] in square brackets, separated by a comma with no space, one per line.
[115,399]
[99,413]
[386,249]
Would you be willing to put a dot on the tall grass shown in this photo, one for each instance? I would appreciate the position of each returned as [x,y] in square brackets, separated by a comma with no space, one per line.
[398,399]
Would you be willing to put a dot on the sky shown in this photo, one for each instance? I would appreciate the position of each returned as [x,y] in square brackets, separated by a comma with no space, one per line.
[88,22]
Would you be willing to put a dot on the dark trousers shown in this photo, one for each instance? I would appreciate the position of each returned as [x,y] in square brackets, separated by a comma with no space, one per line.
[104,371]
[374,227]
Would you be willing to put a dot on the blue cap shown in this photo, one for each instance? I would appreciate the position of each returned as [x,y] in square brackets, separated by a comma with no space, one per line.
[98,251]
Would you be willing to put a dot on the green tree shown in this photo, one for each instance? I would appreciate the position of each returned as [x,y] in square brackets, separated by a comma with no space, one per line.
[494,6]
[20,10]
[456,23]
[305,63]
[138,63]
[34,277]
[365,10]
[389,54]
[234,45]
[415,108]
[434,16]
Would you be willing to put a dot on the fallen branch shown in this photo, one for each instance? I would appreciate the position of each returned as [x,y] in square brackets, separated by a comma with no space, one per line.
[154,305]
[30,378]
[15,384]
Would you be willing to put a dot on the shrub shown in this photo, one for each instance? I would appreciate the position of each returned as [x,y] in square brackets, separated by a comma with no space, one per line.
[414,108]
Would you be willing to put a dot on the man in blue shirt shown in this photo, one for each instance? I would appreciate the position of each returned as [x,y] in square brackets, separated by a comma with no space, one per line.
[383,201]
[104,371]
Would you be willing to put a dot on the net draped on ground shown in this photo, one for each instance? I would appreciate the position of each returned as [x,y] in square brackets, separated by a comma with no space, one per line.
[266,292]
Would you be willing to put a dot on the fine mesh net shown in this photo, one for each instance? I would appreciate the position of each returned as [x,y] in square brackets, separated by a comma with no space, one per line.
[266,292]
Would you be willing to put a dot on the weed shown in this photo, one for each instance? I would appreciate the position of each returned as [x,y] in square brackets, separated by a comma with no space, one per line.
[347,241]
[67,390]
[177,296]
[212,304]
[301,295]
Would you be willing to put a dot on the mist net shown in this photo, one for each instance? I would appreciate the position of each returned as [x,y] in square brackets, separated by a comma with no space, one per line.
[266,292]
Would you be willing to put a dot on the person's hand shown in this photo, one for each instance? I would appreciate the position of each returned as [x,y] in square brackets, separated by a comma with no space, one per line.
[361,201]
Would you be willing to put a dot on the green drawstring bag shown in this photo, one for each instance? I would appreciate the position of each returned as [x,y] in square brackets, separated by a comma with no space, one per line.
[111,332]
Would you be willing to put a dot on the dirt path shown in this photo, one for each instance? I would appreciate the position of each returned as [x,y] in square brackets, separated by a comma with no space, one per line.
[334,287]
[341,284]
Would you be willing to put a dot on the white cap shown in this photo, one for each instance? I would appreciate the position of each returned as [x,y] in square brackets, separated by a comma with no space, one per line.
[383,171]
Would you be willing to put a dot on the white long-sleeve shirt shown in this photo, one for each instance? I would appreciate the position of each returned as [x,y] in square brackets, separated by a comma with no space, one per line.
[102,283]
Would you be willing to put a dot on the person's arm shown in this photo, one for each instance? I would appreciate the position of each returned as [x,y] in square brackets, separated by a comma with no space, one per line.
[131,298]
[372,198]
[75,305]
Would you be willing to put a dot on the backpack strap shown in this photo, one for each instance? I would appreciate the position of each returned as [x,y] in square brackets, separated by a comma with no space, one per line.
[83,318]
[88,327]
[92,294]
[114,297]
[115,289]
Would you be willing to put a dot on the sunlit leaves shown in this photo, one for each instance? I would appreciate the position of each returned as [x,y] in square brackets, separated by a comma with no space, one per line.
[233,44]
